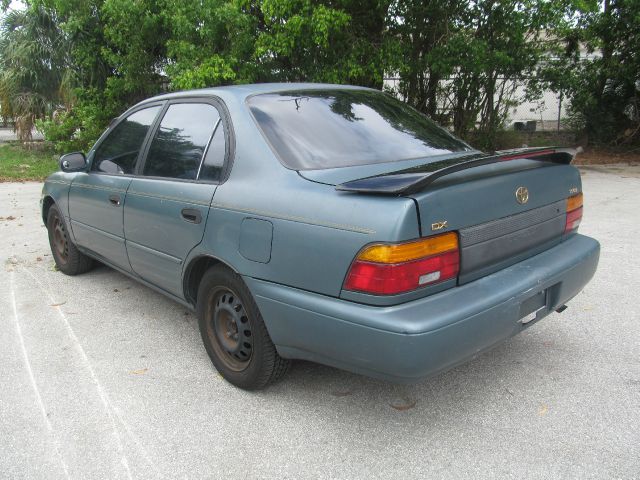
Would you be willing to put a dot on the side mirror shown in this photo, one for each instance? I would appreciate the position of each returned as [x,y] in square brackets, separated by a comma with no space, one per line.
[73,162]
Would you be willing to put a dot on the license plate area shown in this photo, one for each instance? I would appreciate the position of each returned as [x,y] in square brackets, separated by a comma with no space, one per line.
[530,308]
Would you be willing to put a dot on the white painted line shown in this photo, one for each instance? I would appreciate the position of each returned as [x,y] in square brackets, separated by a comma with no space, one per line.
[102,394]
[34,385]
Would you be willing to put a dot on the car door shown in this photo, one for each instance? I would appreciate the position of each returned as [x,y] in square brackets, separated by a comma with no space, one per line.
[168,202]
[96,198]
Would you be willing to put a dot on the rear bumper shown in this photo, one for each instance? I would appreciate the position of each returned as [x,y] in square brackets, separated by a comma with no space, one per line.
[422,337]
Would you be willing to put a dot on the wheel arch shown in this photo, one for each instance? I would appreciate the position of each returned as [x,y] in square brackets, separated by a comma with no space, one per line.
[194,272]
[47,203]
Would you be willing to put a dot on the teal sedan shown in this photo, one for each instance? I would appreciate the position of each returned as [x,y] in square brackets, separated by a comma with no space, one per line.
[323,222]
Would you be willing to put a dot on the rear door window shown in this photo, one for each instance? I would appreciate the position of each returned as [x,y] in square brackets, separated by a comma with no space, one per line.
[180,142]
[214,157]
[119,151]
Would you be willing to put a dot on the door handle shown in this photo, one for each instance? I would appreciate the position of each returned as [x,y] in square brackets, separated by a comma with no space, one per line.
[114,200]
[191,215]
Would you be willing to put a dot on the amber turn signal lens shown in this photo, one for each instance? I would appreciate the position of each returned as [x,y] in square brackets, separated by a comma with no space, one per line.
[574,202]
[405,252]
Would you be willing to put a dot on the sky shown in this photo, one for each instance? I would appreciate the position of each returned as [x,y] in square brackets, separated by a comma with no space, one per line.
[14,5]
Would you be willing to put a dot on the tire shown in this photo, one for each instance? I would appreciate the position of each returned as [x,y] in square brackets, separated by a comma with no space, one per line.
[234,333]
[68,258]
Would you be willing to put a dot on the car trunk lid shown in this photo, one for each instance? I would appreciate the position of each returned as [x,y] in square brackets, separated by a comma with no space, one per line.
[477,196]
[497,224]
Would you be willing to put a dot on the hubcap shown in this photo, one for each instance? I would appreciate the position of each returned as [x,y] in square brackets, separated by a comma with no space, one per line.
[229,330]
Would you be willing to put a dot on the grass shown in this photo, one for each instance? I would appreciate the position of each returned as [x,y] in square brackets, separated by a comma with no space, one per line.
[20,164]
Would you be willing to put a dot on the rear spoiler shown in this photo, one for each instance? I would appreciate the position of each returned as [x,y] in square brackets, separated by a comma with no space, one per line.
[404,182]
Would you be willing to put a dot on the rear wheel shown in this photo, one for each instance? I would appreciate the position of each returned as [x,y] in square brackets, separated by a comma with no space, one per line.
[234,333]
[68,258]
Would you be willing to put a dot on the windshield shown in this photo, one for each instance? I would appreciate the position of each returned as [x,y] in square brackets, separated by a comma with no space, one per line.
[320,129]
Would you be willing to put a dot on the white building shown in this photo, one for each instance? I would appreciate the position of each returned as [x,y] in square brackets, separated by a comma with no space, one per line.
[549,111]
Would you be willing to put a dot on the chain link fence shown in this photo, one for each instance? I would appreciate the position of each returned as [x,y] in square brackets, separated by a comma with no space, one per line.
[545,114]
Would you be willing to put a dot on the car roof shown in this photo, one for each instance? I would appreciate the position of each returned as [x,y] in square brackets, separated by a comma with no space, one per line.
[241,92]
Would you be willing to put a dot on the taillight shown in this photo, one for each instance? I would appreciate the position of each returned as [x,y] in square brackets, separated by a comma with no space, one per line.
[574,213]
[389,269]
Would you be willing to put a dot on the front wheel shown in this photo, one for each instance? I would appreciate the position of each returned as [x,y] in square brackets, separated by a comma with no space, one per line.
[234,333]
[68,258]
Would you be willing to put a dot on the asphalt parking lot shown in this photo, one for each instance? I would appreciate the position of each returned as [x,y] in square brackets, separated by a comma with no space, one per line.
[104,378]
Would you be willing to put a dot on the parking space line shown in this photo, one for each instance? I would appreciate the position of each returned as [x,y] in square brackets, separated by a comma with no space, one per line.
[32,379]
[101,393]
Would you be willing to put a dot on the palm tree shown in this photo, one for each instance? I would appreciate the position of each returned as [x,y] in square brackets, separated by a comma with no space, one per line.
[33,59]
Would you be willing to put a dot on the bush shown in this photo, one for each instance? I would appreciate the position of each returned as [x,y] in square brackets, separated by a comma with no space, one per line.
[79,128]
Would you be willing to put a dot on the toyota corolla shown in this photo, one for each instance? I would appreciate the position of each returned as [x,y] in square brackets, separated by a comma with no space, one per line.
[323,222]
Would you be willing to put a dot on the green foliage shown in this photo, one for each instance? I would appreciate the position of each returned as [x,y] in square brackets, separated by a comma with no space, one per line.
[207,42]
[240,41]
[307,41]
[75,64]
[604,89]
[135,47]
[605,92]
[32,61]
[117,56]
[461,61]
[78,128]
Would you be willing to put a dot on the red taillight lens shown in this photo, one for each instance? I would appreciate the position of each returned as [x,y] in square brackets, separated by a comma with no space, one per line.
[573,220]
[384,278]
[574,213]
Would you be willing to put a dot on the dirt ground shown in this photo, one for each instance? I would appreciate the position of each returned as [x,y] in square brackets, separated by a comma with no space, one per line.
[600,156]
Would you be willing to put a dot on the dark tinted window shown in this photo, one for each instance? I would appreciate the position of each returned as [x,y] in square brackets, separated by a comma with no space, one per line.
[178,145]
[339,128]
[214,158]
[119,150]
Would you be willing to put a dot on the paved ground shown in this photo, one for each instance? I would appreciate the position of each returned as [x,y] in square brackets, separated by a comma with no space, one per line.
[7,134]
[103,378]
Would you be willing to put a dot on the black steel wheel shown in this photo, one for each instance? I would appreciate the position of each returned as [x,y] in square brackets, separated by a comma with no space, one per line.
[234,333]
[229,330]
[68,258]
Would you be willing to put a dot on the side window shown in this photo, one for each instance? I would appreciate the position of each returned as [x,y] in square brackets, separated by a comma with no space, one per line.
[119,150]
[181,140]
[214,158]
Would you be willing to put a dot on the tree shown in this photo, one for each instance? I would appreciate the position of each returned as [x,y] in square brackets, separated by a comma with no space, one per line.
[210,43]
[220,42]
[461,61]
[33,60]
[421,31]
[118,55]
[605,90]
[135,48]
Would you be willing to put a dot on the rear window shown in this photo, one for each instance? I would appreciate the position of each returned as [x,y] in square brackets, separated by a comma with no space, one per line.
[319,129]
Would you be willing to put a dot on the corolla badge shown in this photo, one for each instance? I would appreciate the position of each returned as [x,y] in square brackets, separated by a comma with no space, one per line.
[522,195]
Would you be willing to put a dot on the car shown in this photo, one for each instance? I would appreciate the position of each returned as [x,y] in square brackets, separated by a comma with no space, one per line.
[327,223]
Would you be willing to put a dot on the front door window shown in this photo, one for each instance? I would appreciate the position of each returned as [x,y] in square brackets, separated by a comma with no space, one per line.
[118,153]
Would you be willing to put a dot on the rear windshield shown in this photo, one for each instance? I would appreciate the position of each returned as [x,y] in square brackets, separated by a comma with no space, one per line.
[318,129]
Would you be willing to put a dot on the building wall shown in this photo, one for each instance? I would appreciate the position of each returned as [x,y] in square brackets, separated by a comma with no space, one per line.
[549,111]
